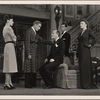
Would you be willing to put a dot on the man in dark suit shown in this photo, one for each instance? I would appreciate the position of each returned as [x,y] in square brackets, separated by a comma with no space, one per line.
[66,38]
[54,59]
[31,54]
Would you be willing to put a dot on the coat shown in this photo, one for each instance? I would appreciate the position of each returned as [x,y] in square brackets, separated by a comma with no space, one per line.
[31,48]
[57,51]
[66,38]
[10,63]
[84,54]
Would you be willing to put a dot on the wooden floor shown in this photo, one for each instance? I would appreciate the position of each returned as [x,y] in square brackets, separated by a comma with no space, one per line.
[21,90]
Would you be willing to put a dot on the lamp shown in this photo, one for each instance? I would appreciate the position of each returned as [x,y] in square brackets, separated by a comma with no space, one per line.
[57,12]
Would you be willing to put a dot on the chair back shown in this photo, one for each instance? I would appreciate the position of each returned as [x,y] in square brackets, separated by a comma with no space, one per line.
[67,61]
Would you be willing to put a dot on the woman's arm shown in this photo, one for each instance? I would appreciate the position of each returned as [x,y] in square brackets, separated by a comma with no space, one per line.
[11,33]
[91,34]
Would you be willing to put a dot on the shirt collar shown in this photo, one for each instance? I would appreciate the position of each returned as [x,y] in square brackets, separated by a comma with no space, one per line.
[33,29]
[63,33]
[57,39]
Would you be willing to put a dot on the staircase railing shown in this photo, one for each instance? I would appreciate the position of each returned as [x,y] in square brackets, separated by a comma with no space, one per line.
[77,24]
[93,20]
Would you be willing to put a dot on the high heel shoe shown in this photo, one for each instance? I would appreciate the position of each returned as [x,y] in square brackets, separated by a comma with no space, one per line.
[13,87]
[7,87]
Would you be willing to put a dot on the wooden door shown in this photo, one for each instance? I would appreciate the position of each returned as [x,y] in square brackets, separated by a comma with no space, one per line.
[20,47]
[43,47]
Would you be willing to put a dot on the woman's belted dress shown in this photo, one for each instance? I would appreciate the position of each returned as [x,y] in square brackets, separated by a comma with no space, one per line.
[10,63]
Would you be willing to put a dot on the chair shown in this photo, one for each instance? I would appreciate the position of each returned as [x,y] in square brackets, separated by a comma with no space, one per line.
[96,66]
[67,75]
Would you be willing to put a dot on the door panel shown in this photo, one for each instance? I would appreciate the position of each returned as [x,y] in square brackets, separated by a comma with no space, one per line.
[20,47]
[43,47]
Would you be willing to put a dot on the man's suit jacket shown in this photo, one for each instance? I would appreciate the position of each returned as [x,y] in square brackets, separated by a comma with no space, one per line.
[66,38]
[57,51]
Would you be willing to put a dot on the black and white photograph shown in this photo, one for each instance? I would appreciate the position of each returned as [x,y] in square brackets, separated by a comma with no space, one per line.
[50,49]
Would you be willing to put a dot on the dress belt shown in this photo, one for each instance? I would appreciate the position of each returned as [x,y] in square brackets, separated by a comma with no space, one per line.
[9,42]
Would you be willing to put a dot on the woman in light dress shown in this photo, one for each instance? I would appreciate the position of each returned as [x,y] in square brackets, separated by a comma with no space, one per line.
[10,64]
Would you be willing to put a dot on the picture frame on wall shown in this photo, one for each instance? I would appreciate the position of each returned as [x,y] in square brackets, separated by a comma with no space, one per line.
[78,11]
[69,11]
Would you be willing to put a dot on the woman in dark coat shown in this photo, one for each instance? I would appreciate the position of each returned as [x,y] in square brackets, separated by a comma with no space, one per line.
[84,54]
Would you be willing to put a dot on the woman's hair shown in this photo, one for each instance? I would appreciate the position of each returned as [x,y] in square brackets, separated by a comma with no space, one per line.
[84,20]
[7,17]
